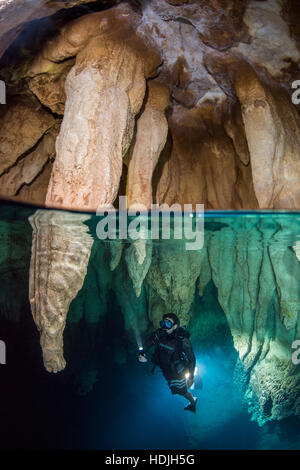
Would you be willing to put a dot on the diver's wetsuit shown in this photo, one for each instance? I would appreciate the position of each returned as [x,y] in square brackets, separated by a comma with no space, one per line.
[174,355]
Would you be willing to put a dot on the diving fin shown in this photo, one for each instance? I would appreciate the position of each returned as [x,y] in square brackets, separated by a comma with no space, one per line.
[192,406]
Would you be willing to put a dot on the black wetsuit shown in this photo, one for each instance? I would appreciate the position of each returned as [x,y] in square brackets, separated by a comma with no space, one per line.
[174,354]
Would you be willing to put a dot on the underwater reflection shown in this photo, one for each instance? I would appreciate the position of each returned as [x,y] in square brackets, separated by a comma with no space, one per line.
[60,252]
[94,301]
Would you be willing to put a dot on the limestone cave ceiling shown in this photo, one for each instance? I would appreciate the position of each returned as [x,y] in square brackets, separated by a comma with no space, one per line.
[164,101]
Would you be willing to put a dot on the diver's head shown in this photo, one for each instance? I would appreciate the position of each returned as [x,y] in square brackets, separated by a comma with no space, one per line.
[169,323]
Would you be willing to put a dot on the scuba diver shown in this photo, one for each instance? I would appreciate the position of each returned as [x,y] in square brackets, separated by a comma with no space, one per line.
[174,355]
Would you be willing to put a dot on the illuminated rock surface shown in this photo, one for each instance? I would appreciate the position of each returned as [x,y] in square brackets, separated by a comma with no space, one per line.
[59,258]
[270,121]
[232,128]
[151,136]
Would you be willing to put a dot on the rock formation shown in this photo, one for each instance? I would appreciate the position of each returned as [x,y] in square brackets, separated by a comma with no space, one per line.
[59,257]
[173,102]
[271,122]
[23,125]
[151,136]
[232,128]
[16,14]
[138,259]
[105,90]
[28,169]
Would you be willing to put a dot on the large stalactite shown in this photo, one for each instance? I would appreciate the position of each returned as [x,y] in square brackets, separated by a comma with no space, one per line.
[104,92]
[232,141]
[60,254]
[271,122]
[151,136]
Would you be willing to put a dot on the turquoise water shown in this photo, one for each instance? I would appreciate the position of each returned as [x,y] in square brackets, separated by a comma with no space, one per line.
[239,291]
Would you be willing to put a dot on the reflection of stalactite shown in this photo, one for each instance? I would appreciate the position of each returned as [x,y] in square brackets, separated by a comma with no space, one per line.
[260,305]
[172,276]
[116,249]
[59,257]
[133,307]
[259,293]
[138,259]
[258,289]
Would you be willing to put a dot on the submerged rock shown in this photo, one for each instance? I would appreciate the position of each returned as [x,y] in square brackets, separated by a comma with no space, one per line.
[247,269]
[59,257]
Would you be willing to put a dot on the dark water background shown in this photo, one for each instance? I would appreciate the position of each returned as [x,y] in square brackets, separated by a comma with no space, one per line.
[127,408]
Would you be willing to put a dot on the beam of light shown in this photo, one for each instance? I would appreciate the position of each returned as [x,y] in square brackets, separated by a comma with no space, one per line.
[135,328]
[201,369]
[199,372]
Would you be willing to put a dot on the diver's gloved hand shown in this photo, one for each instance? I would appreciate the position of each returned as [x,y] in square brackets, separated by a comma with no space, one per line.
[142,358]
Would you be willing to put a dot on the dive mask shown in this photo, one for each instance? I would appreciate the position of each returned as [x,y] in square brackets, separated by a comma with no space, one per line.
[166,324]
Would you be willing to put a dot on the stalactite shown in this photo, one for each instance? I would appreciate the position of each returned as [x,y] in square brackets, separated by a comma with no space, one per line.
[270,120]
[151,136]
[59,257]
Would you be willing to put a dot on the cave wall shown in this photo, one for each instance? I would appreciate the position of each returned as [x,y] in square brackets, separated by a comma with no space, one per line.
[227,68]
